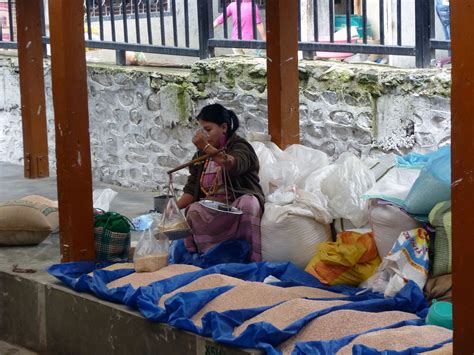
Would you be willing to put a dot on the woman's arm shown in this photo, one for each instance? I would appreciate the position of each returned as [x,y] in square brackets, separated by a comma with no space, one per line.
[185,200]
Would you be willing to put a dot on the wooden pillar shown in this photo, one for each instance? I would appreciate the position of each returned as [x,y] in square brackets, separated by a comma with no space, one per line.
[69,79]
[462,32]
[282,71]
[33,106]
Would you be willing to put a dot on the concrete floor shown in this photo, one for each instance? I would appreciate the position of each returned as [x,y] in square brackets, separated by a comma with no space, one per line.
[10,349]
[14,186]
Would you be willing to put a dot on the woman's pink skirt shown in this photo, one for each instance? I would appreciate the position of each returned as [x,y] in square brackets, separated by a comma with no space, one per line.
[211,227]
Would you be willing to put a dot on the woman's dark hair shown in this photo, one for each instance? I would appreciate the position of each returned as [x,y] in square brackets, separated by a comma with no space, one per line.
[218,114]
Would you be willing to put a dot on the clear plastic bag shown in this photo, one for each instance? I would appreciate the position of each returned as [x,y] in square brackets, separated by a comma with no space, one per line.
[173,223]
[344,187]
[102,198]
[151,253]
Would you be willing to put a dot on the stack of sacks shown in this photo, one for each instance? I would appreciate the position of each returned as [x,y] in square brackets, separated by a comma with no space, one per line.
[295,221]
[28,221]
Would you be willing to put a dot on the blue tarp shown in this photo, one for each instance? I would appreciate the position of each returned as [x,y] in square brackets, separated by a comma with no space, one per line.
[231,251]
[182,306]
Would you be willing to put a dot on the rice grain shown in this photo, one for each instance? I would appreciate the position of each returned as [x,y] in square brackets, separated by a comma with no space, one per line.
[399,339]
[203,283]
[138,279]
[113,267]
[341,323]
[283,315]
[150,263]
[248,295]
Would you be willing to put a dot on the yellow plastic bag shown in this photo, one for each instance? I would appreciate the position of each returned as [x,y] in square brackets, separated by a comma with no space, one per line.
[353,258]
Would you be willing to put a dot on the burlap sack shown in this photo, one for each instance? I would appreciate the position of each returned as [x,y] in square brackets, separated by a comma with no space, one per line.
[23,223]
[48,207]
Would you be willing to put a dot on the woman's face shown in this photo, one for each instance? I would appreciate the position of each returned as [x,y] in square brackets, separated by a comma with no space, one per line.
[216,132]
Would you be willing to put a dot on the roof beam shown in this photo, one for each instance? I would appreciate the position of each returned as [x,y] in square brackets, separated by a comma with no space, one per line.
[69,81]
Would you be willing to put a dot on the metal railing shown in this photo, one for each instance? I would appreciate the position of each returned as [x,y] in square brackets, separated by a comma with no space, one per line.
[185,27]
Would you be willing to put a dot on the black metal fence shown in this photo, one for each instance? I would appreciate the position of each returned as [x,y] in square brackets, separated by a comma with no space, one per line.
[186,27]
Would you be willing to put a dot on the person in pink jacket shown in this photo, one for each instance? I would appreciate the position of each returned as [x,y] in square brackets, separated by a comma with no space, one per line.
[245,21]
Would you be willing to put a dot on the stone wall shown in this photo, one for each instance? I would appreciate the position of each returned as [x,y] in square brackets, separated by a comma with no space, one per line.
[141,119]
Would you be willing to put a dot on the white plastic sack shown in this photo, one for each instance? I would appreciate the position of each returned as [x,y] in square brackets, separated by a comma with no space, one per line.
[266,159]
[394,185]
[344,187]
[387,222]
[102,198]
[408,260]
[282,181]
[306,160]
[292,232]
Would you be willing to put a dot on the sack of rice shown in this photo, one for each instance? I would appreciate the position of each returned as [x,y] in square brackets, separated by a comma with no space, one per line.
[203,283]
[284,314]
[399,339]
[24,223]
[139,279]
[342,323]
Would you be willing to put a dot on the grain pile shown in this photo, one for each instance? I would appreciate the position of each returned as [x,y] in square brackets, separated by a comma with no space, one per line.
[400,338]
[203,283]
[150,263]
[341,323]
[312,292]
[138,279]
[283,315]
[113,267]
[444,350]
[248,295]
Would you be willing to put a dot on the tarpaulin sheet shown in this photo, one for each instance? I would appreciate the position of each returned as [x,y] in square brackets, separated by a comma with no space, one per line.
[230,251]
[182,306]
[75,274]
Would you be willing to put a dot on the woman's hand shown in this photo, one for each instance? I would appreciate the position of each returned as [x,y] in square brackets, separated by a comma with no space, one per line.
[200,140]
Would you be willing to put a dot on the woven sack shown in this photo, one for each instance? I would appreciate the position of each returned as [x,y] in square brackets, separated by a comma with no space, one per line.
[440,218]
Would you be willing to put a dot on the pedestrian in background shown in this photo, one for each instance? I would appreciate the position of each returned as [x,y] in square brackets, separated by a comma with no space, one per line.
[246,22]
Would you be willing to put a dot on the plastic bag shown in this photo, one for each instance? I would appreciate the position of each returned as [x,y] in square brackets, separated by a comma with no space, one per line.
[393,186]
[145,221]
[408,260]
[151,253]
[344,187]
[102,198]
[173,223]
[432,186]
[266,159]
[306,160]
[353,258]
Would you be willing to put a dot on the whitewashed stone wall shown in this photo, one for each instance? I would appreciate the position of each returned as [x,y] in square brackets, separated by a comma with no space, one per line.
[142,119]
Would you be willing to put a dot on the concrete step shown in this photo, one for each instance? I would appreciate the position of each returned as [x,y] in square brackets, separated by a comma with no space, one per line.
[10,349]
[37,312]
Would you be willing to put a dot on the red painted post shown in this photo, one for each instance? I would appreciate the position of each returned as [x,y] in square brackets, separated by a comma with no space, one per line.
[69,79]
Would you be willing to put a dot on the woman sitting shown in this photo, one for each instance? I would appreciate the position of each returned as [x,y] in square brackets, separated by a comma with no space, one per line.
[238,164]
